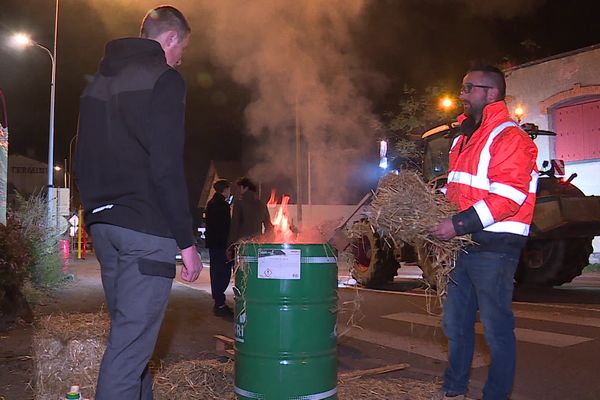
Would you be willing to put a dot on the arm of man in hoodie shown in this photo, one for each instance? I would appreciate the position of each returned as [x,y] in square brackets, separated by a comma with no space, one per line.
[164,140]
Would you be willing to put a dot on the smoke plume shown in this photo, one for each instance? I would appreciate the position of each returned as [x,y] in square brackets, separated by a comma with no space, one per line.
[297,58]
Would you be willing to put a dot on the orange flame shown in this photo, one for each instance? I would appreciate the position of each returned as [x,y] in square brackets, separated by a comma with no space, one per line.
[272,200]
[281,222]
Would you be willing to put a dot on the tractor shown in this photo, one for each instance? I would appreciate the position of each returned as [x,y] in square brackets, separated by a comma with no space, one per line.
[564,224]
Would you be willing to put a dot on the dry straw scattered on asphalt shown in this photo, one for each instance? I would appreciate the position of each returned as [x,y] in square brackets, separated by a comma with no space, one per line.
[195,380]
[212,380]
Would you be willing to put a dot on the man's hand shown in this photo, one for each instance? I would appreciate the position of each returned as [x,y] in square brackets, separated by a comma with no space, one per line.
[444,230]
[192,265]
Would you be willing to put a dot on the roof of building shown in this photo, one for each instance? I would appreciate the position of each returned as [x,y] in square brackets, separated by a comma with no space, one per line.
[554,57]
[218,169]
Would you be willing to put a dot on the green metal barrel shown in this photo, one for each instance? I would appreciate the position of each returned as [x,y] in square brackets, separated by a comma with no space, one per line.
[285,322]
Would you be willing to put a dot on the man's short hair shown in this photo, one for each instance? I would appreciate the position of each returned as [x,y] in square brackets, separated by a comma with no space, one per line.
[221,185]
[495,74]
[246,182]
[162,19]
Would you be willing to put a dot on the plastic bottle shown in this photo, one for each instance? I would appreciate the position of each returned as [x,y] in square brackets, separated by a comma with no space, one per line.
[73,394]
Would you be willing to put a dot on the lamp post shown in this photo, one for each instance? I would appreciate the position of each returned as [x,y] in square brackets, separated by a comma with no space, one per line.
[71,161]
[3,158]
[23,40]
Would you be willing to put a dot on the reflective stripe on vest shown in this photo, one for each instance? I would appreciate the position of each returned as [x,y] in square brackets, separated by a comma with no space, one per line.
[480,181]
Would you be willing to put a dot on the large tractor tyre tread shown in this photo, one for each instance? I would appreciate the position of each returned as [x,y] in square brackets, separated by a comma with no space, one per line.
[375,261]
[577,257]
[553,262]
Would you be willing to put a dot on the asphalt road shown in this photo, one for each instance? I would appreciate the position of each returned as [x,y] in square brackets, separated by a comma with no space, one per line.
[558,332]
[558,336]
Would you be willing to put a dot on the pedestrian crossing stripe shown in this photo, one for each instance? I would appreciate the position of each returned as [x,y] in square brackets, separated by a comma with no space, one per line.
[522,334]
[558,317]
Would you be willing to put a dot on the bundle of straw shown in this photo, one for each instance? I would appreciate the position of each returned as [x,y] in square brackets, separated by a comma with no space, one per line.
[404,209]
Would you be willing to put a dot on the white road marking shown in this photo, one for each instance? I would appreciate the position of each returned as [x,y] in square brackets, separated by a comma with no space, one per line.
[432,295]
[577,307]
[558,317]
[523,335]
[411,345]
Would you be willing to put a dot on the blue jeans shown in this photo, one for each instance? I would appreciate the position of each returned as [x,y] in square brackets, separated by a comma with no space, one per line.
[484,281]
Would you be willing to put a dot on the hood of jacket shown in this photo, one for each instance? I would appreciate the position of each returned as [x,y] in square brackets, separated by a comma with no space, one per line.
[120,53]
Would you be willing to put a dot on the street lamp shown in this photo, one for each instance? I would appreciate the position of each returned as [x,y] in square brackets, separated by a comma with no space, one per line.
[519,113]
[3,158]
[446,103]
[23,40]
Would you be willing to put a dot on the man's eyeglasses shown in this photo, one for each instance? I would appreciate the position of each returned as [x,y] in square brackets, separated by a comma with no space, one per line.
[467,87]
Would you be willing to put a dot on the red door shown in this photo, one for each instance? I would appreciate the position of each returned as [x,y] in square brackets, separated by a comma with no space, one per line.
[578,131]
[590,115]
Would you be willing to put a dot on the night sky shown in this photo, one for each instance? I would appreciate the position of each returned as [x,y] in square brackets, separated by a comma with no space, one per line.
[391,43]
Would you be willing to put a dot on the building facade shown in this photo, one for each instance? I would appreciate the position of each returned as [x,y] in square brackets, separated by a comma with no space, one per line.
[562,94]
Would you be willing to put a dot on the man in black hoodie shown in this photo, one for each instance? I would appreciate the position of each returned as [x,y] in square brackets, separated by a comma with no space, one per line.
[129,170]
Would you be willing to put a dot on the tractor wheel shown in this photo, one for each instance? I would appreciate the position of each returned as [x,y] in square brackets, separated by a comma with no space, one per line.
[553,262]
[429,269]
[375,262]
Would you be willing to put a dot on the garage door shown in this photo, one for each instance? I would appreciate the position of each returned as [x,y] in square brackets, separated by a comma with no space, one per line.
[578,131]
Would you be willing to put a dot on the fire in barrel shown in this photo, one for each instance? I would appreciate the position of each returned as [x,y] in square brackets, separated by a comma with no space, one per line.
[285,318]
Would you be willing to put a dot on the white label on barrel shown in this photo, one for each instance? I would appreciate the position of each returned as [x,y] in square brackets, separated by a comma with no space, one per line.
[279,263]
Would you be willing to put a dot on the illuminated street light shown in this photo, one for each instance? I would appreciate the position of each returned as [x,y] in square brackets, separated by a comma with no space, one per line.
[21,40]
[24,40]
[446,103]
[519,112]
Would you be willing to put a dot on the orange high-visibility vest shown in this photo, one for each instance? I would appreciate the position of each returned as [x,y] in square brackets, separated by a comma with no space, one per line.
[495,172]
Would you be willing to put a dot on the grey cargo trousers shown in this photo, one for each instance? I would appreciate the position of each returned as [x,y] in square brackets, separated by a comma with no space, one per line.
[137,273]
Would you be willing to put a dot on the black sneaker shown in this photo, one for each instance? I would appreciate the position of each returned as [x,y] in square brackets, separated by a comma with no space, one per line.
[223,311]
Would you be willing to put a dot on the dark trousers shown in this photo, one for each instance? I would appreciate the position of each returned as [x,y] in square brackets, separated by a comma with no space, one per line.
[481,281]
[220,274]
[137,273]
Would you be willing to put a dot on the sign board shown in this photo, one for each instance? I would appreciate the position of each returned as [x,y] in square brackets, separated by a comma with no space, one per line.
[278,263]
[60,198]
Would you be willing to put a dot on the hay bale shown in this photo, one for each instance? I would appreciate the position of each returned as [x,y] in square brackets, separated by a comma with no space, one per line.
[67,350]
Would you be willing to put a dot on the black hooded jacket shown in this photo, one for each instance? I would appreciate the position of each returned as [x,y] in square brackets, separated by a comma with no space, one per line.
[129,157]
[218,220]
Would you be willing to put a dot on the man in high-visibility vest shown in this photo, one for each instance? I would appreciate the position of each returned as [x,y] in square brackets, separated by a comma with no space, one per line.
[492,180]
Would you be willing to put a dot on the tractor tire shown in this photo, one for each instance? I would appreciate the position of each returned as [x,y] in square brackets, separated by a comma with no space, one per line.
[375,261]
[553,262]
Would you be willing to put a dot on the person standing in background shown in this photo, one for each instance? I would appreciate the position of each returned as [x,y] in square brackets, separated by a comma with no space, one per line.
[250,217]
[218,222]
